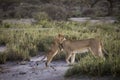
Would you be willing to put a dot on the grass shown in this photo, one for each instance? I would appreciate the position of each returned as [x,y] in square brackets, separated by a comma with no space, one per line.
[95,67]
[2,57]
[22,44]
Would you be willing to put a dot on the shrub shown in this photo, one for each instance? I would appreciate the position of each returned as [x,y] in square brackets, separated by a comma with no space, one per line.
[3,57]
[22,44]
[118,18]
[41,16]
[55,12]
[96,67]
[88,12]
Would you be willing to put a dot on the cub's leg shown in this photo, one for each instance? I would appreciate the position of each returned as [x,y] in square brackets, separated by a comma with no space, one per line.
[50,57]
[73,58]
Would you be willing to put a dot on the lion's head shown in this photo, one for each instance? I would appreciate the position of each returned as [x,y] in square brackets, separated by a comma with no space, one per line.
[60,38]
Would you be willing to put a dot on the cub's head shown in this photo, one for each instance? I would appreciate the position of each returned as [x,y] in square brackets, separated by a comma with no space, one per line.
[60,38]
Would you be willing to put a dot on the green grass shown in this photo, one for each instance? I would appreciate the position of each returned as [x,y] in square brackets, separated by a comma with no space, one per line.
[22,44]
[2,57]
[96,67]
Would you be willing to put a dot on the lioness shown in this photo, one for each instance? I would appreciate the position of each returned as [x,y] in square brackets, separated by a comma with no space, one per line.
[71,47]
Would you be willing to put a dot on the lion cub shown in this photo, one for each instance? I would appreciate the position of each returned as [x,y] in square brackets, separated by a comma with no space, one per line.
[55,48]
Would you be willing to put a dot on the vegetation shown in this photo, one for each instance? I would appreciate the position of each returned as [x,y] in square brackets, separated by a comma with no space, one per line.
[96,67]
[24,41]
[58,9]
[2,58]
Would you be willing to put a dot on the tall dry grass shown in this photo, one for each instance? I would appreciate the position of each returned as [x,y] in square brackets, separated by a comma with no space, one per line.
[26,42]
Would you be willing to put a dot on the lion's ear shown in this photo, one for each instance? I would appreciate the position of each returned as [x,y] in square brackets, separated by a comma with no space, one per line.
[59,35]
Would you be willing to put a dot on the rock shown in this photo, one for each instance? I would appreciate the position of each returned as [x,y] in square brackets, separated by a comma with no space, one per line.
[22,63]
[22,73]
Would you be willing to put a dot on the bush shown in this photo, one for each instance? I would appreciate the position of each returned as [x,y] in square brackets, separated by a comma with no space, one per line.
[55,12]
[22,44]
[101,8]
[41,16]
[118,18]
[3,57]
[96,67]
[88,12]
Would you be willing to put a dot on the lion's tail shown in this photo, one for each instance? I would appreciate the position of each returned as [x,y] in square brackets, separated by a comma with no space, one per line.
[103,49]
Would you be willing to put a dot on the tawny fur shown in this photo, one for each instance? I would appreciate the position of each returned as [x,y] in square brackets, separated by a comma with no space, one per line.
[71,47]
[52,52]
[77,46]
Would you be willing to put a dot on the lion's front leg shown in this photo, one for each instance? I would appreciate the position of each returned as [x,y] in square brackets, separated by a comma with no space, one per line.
[73,58]
[50,57]
[68,58]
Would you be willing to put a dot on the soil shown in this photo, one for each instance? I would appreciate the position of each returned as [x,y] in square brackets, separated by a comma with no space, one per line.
[33,70]
[36,70]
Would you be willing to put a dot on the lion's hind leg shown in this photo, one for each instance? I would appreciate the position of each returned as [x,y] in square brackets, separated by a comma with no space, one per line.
[94,51]
[97,51]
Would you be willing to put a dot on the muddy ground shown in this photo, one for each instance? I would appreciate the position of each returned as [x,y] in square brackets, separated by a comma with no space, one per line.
[35,70]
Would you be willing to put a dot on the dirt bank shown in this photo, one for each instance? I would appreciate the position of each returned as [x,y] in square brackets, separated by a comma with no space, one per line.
[31,71]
